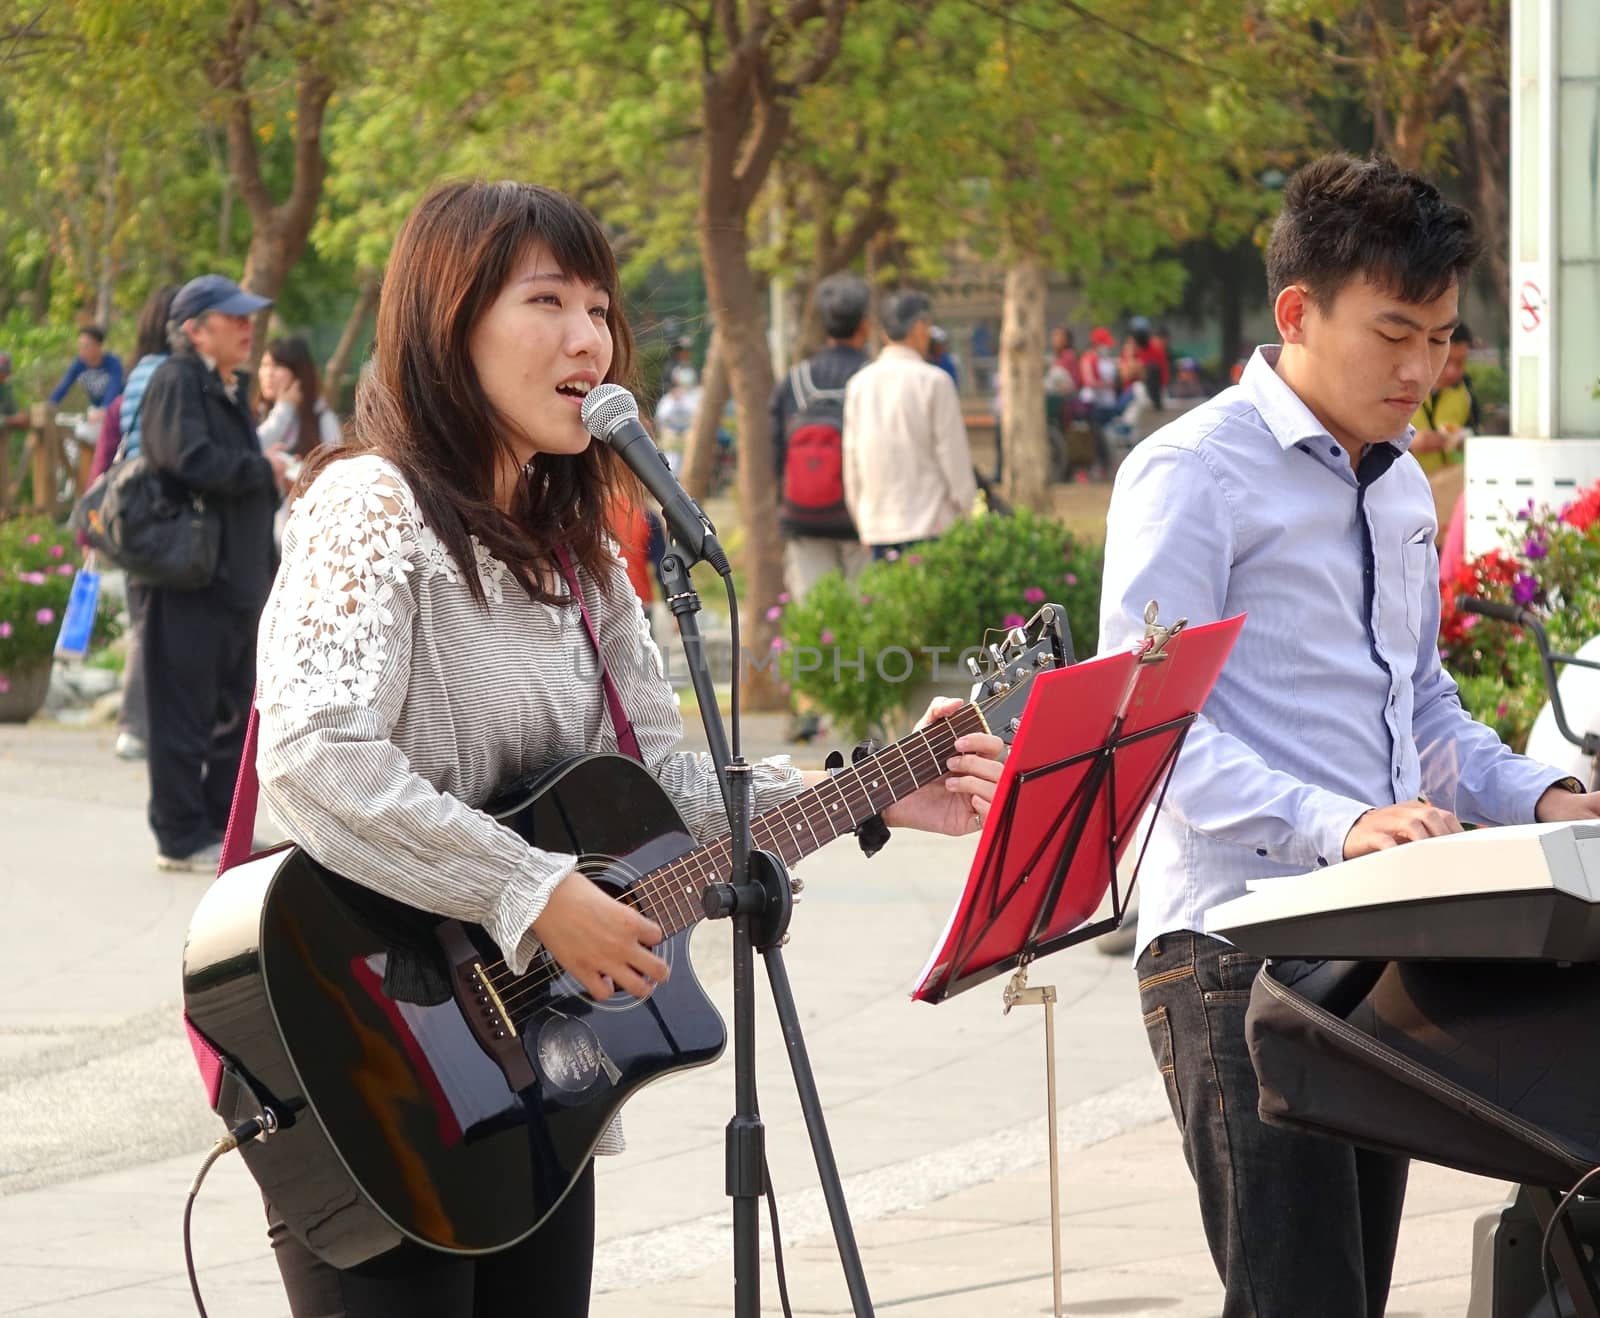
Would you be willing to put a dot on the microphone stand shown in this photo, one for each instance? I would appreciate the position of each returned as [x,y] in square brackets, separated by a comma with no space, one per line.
[758,897]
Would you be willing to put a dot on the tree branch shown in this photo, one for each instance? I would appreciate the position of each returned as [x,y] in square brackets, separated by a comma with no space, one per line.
[824,52]
[760,150]
[227,76]
[727,13]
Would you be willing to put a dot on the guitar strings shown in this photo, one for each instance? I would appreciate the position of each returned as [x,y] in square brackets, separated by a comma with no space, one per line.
[515,991]
[784,813]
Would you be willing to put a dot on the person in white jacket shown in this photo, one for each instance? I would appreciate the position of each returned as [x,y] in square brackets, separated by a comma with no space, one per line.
[907,463]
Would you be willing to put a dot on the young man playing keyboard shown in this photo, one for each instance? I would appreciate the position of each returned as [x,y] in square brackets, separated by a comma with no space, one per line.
[1333,731]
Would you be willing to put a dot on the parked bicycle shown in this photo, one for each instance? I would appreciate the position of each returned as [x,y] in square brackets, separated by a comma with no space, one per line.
[1587,741]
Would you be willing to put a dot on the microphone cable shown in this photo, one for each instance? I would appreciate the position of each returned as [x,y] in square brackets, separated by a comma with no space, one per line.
[243,1133]
[1549,1233]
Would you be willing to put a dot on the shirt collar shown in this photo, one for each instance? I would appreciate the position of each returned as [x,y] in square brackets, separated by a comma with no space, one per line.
[230,382]
[902,351]
[1288,418]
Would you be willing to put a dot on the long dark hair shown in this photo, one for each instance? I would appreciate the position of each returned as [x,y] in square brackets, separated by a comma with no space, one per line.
[151,336]
[295,354]
[421,404]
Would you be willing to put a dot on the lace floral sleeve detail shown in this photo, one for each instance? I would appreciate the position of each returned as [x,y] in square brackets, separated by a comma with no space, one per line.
[345,592]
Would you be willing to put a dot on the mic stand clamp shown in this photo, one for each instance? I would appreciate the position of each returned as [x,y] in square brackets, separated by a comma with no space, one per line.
[758,897]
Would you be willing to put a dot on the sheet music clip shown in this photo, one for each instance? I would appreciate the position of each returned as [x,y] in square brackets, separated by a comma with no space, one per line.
[1156,636]
[1093,749]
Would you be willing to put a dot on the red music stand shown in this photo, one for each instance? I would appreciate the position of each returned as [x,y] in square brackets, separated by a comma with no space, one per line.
[1095,744]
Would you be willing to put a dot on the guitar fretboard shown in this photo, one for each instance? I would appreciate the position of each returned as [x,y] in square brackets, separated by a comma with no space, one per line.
[671,895]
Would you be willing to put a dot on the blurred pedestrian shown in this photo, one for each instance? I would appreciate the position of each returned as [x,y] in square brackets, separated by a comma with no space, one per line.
[200,644]
[99,371]
[907,461]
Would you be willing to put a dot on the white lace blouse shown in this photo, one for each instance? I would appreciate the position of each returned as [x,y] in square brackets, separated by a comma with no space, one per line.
[393,706]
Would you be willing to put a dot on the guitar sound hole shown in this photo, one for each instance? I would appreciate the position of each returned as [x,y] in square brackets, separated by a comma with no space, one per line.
[602,871]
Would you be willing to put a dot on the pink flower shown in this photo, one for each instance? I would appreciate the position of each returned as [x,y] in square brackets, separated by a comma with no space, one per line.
[1033,595]
[1013,620]
[1072,578]
[783,597]
[913,558]
[1500,710]
[891,554]
[57,550]
[5,630]
[5,684]
[65,570]
[774,613]
[34,539]
[777,642]
[45,617]
[826,638]
[31,578]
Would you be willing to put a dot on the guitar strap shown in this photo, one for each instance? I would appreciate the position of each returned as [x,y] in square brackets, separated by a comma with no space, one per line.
[237,840]
[627,743]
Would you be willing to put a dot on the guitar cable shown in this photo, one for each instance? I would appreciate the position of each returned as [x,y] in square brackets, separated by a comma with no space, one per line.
[777,1239]
[243,1133]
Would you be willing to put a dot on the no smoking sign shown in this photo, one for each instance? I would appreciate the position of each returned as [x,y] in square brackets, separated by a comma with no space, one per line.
[1530,306]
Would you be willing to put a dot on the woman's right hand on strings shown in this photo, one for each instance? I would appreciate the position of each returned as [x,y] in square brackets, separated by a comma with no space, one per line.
[602,942]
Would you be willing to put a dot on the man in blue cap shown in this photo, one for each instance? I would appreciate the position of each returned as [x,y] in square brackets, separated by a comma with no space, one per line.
[200,644]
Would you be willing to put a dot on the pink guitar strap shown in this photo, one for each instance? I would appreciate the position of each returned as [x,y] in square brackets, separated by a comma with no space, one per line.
[236,841]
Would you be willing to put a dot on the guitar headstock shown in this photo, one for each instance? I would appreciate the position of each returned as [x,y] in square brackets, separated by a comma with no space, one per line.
[1009,665]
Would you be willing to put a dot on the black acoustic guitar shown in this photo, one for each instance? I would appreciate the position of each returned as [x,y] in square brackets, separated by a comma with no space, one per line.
[413,1087]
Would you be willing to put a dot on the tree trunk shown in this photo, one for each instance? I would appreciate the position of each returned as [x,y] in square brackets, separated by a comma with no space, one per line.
[1232,316]
[105,286]
[735,299]
[40,309]
[1023,435]
[702,452]
[333,372]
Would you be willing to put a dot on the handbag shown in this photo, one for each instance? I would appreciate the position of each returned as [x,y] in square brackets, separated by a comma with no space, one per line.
[158,537]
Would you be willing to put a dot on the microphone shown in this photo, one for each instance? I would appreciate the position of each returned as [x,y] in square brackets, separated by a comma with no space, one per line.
[1515,614]
[611,414]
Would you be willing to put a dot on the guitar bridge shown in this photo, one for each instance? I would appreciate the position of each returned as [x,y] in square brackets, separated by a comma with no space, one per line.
[482,1007]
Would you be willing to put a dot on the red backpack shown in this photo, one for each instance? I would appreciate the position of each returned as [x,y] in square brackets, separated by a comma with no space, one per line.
[813,464]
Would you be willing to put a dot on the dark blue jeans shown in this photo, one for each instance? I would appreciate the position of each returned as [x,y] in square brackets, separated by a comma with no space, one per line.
[1299,1226]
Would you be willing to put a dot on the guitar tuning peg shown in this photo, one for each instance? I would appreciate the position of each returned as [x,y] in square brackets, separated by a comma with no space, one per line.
[973,666]
[797,885]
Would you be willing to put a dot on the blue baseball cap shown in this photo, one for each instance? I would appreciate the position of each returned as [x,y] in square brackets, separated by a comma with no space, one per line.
[214,293]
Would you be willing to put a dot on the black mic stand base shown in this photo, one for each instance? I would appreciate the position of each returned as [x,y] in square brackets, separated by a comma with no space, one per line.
[759,899]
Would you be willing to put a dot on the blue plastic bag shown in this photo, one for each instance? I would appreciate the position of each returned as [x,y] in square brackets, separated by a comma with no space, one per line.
[77,623]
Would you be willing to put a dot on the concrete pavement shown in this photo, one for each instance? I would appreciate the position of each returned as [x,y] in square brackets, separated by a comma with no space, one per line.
[936,1113]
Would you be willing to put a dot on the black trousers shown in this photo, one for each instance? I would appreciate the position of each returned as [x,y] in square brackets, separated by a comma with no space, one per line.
[200,674]
[1299,1226]
[546,1276]
[135,716]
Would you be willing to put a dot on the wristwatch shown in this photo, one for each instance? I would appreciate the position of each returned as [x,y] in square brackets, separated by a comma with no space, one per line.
[1572,785]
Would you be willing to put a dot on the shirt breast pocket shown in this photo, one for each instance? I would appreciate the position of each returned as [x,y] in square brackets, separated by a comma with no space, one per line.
[1416,555]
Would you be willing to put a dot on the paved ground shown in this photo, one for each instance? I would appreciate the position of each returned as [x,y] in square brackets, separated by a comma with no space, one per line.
[936,1113]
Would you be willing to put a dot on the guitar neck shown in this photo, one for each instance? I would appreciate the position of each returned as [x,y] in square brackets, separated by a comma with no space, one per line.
[671,895]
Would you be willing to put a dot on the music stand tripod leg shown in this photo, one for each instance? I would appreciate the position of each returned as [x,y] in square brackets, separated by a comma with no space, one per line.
[1018,993]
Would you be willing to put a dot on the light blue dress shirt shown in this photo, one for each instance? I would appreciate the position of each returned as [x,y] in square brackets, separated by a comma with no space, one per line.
[1333,700]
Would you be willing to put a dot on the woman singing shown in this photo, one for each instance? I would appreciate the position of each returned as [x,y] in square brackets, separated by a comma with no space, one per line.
[422,647]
